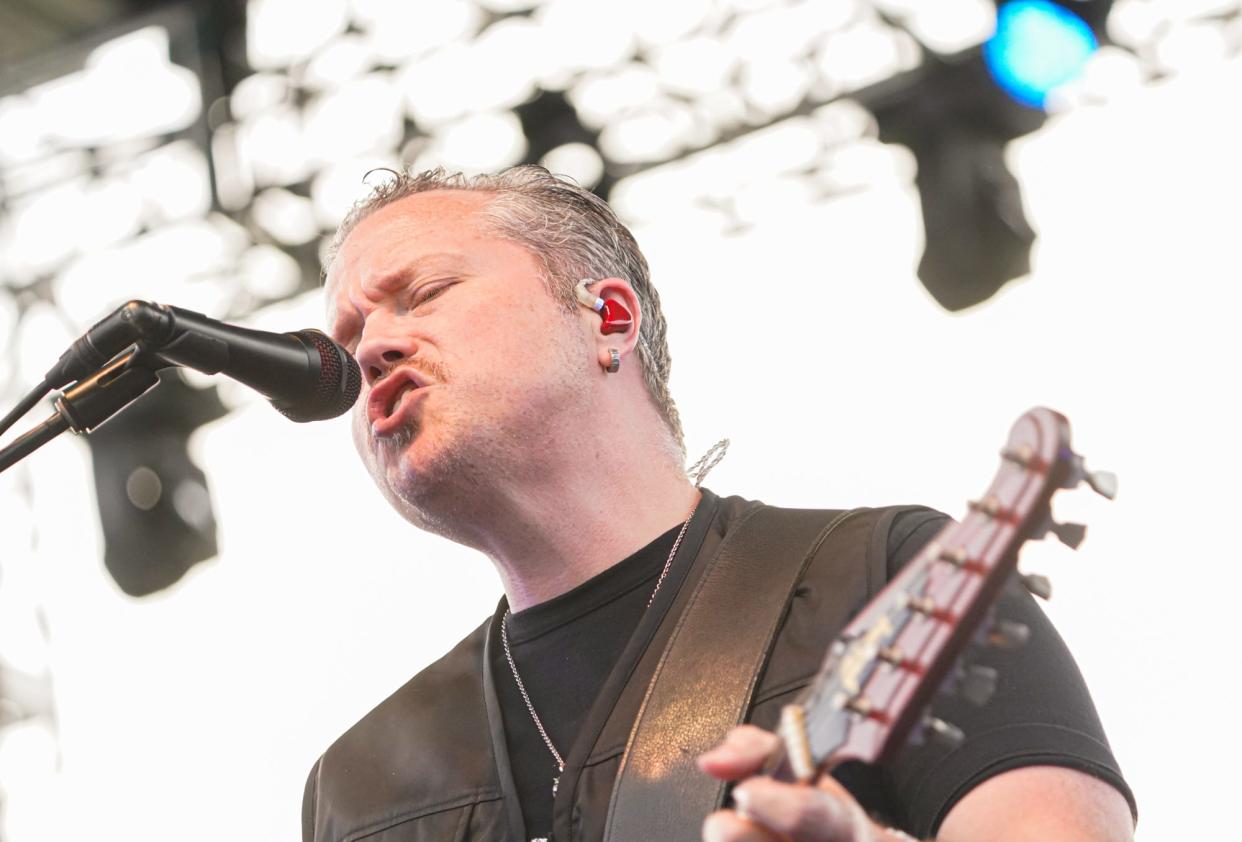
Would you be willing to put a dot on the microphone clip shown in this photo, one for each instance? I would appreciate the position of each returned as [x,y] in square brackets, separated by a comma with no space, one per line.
[95,399]
[91,402]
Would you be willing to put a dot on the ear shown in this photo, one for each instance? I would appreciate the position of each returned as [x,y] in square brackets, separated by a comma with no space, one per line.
[621,293]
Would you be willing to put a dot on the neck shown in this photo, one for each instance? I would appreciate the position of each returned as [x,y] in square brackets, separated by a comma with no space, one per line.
[555,539]
[550,527]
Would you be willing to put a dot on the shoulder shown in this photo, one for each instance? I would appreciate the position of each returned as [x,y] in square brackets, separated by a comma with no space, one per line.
[851,553]
[419,703]
[423,749]
[868,544]
[856,553]
[899,523]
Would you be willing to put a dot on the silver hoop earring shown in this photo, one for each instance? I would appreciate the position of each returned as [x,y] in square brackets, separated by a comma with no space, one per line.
[614,361]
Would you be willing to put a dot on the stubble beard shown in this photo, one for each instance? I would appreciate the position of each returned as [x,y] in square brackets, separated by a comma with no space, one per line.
[435,469]
[444,469]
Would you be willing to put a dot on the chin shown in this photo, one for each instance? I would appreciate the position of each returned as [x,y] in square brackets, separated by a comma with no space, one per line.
[437,471]
[419,478]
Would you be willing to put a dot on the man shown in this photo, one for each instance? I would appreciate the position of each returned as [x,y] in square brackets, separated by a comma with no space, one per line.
[512,408]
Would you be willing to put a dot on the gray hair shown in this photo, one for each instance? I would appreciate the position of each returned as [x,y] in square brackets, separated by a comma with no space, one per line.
[573,234]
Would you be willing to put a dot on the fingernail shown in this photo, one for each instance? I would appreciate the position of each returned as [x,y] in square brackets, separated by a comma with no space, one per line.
[741,799]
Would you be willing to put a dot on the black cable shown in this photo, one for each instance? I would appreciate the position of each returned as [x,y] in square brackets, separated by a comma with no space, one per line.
[32,441]
[25,405]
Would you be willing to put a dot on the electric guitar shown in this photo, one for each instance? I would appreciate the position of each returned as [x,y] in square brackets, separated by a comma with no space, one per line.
[884,668]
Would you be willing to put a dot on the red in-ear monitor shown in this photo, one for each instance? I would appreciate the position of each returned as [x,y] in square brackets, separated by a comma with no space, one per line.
[617,319]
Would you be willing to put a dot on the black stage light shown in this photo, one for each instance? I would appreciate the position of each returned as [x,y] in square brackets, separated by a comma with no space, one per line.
[154,504]
[958,123]
[958,120]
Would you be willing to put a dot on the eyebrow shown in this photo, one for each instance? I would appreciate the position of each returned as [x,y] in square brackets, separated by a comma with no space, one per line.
[399,277]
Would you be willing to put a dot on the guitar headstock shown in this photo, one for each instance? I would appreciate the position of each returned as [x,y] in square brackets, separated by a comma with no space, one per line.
[884,668]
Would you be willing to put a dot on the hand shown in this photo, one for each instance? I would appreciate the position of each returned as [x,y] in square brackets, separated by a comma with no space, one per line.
[766,809]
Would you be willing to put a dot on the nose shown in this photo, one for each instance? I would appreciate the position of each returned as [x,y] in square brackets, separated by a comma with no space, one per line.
[382,346]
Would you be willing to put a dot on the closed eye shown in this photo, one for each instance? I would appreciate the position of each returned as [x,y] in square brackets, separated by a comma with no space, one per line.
[427,292]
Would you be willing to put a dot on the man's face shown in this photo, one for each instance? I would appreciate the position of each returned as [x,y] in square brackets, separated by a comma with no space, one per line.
[473,375]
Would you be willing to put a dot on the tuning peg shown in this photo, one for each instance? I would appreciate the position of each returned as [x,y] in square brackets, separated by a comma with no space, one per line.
[988,506]
[922,604]
[860,705]
[1069,534]
[1006,634]
[1103,483]
[1038,585]
[977,684]
[891,655]
[945,733]
[1024,457]
[1020,456]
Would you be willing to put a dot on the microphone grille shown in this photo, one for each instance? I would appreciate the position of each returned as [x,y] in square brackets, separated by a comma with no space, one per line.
[340,381]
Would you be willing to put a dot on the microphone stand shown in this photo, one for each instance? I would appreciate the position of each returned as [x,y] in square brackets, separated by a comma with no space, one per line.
[91,402]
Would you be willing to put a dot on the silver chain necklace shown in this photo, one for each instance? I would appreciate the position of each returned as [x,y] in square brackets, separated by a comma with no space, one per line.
[517,678]
[698,471]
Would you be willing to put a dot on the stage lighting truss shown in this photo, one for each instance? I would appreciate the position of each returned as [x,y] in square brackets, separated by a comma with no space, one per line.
[381,82]
[114,170]
[646,85]
[105,195]
[116,180]
[130,173]
[105,186]
[107,190]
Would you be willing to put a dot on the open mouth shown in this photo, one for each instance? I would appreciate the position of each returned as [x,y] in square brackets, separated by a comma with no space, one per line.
[396,400]
[386,399]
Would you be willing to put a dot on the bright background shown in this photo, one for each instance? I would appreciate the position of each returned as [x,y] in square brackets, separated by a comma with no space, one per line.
[802,334]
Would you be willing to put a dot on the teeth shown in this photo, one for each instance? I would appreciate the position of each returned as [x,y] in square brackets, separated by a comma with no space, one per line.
[396,399]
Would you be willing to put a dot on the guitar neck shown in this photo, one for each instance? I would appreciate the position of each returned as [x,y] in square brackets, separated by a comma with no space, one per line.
[904,646]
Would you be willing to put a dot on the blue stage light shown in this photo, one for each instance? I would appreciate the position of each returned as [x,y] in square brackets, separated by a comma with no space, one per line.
[1038,45]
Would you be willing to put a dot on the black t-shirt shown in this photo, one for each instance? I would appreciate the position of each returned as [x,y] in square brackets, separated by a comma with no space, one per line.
[566,647]
[564,650]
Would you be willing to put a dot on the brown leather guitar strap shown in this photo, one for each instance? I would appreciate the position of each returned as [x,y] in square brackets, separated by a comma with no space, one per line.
[708,672]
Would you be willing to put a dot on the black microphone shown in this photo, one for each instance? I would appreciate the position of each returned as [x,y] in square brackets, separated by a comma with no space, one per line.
[304,374]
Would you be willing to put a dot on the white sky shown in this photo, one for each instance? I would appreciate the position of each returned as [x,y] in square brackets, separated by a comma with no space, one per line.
[809,342]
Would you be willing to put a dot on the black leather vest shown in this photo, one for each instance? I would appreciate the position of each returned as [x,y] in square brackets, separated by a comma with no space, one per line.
[430,762]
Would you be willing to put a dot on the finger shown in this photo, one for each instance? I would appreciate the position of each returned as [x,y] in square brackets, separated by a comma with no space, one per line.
[742,754]
[808,814]
[728,826]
